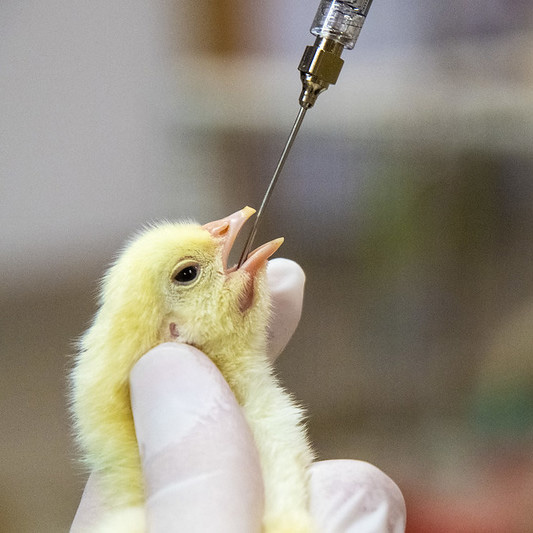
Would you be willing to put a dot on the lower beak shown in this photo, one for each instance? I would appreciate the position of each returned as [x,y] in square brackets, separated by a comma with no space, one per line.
[226,229]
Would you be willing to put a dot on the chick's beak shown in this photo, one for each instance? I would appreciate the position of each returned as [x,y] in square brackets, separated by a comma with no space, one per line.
[259,256]
[227,230]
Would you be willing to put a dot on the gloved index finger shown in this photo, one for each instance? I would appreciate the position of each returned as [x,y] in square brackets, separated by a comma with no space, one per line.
[286,281]
[199,460]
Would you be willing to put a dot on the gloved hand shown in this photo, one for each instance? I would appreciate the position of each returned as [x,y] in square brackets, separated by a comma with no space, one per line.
[200,464]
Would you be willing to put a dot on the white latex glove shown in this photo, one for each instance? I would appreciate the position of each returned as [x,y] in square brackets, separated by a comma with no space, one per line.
[200,463]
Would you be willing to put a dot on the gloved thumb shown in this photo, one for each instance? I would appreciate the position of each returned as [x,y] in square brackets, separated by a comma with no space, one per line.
[200,464]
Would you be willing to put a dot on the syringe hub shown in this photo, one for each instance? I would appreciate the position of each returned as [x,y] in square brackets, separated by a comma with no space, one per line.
[320,66]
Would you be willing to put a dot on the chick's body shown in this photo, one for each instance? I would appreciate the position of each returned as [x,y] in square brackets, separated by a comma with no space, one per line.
[148,297]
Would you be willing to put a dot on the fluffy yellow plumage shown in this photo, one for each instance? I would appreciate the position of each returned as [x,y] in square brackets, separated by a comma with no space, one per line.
[171,283]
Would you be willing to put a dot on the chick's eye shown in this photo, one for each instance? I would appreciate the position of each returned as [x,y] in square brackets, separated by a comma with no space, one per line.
[187,275]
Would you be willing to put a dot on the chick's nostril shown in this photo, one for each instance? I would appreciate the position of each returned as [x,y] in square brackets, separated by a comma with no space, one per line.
[230,224]
[218,228]
[227,229]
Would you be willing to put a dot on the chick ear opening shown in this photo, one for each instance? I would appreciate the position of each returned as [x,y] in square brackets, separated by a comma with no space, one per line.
[173,330]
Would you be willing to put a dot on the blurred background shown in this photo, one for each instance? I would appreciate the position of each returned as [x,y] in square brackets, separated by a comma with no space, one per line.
[407,199]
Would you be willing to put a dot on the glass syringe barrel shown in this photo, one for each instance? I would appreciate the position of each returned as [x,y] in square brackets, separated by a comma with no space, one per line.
[337,25]
[341,21]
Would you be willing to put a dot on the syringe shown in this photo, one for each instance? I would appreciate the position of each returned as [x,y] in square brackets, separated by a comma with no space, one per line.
[337,25]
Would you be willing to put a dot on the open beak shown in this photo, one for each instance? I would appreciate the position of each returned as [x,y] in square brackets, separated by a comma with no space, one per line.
[227,230]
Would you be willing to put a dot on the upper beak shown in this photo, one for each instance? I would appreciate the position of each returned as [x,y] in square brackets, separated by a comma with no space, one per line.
[227,230]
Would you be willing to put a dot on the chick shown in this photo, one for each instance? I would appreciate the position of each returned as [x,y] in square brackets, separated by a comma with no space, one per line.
[172,283]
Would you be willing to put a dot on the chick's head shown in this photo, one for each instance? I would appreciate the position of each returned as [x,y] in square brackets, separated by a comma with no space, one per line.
[173,284]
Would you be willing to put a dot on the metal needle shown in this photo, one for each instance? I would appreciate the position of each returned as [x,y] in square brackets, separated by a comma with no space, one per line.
[268,194]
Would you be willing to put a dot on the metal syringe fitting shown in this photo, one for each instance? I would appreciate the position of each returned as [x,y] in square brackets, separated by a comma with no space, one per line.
[319,68]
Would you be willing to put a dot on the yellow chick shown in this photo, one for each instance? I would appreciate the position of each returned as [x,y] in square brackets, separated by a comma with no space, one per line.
[172,283]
